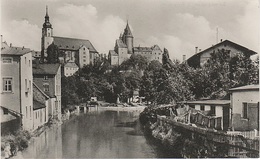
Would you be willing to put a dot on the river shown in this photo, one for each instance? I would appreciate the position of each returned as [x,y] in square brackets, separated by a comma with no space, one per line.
[106,134]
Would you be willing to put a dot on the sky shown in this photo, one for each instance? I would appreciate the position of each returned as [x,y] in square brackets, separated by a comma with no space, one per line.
[178,25]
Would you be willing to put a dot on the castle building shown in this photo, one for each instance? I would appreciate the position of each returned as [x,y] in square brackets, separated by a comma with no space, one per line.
[79,51]
[124,48]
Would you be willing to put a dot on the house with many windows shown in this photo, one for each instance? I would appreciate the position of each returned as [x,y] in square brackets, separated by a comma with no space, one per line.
[70,68]
[16,88]
[48,78]
[201,57]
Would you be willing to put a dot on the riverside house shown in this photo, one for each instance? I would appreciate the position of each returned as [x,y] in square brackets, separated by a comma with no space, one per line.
[201,57]
[16,89]
[48,78]
[217,110]
[245,108]
[40,107]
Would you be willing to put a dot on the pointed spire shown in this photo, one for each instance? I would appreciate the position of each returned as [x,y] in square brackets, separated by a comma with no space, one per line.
[46,11]
[128,30]
[47,23]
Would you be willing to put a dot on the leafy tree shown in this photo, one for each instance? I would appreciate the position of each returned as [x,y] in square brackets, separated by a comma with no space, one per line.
[52,54]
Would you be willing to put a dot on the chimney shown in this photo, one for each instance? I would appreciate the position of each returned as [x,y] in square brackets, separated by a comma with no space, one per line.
[10,44]
[23,48]
[199,50]
[220,40]
[184,58]
[196,49]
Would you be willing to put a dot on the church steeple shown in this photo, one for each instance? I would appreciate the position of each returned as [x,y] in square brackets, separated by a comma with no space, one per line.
[47,23]
[128,38]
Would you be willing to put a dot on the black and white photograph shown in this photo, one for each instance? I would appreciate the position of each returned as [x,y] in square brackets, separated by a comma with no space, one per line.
[129,79]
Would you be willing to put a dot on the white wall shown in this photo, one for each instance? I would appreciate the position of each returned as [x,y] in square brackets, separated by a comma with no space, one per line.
[238,97]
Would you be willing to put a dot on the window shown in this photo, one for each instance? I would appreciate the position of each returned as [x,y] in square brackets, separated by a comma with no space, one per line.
[202,107]
[30,111]
[25,60]
[7,85]
[46,87]
[84,53]
[212,110]
[84,56]
[26,115]
[30,85]
[29,63]
[45,77]
[245,108]
[35,115]
[84,60]
[7,59]
[84,49]
[5,111]
[25,84]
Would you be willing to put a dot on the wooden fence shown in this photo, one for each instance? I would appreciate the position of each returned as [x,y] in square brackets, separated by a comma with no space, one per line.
[245,145]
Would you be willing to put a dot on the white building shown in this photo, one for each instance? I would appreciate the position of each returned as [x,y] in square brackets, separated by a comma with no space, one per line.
[70,68]
[16,87]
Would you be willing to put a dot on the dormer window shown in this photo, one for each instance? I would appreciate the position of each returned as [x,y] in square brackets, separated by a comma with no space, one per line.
[84,49]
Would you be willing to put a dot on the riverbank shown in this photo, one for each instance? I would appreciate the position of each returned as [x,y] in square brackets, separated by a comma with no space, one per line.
[137,109]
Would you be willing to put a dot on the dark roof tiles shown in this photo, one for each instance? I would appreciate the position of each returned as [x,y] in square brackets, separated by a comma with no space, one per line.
[45,69]
[19,51]
[73,44]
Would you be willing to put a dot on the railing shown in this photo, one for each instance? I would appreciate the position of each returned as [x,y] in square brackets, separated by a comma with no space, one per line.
[246,134]
[235,141]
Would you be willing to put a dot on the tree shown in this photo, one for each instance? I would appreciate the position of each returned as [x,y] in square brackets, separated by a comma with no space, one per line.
[52,54]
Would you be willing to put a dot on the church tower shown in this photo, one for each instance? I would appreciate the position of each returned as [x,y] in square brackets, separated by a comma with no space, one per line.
[128,39]
[47,38]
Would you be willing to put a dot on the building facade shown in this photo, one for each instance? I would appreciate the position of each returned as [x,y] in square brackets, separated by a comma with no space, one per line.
[80,51]
[16,87]
[70,68]
[48,78]
[214,108]
[200,58]
[124,48]
[40,107]
[245,108]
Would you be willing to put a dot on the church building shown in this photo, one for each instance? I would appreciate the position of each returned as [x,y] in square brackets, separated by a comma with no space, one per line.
[124,49]
[78,51]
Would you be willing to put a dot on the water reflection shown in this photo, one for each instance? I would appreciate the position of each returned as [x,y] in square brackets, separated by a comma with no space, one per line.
[108,134]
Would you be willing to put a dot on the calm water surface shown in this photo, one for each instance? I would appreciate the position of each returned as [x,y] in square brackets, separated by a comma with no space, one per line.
[107,134]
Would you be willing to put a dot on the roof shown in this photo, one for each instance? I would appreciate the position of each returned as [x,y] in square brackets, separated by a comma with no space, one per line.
[38,88]
[40,69]
[196,56]
[113,53]
[71,64]
[120,43]
[128,31]
[73,44]
[19,51]
[247,87]
[209,102]
[37,105]
[148,49]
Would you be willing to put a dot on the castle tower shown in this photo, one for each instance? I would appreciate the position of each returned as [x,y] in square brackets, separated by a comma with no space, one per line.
[47,38]
[128,38]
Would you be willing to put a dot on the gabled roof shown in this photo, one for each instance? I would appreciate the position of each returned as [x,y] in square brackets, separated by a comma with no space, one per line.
[247,87]
[230,43]
[113,53]
[120,44]
[38,88]
[209,102]
[73,44]
[18,51]
[71,64]
[43,69]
